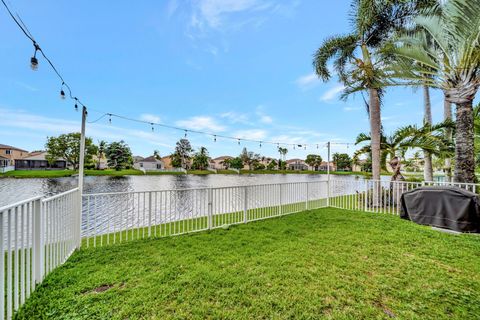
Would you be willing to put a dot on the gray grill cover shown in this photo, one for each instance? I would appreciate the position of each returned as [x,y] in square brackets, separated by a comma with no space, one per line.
[444,207]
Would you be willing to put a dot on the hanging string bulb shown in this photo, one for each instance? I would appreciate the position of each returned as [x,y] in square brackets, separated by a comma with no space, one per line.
[305,147]
[185,134]
[293,147]
[238,141]
[110,118]
[62,93]
[215,138]
[317,146]
[153,129]
[34,60]
[260,144]
[76,104]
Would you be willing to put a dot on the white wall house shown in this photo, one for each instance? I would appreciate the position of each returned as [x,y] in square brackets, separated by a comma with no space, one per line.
[148,164]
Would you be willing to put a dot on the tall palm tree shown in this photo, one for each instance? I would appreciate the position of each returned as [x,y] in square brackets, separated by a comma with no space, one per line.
[360,59]
[102,146]
[453,61]
[283,152]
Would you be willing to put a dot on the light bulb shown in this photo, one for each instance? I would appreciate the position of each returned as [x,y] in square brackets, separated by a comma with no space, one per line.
[62,94]
[34,63]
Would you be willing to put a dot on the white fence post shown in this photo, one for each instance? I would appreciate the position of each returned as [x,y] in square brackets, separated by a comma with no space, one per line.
[245,204]
[38,235]
[210,207]
[280,209]
[149,214]
[306,197]
[328,189]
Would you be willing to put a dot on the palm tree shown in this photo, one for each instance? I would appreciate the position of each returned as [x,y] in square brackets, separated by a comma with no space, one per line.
[453,61]
[102,145]
[360,60]
[283,152]
[429,138]
[156,154]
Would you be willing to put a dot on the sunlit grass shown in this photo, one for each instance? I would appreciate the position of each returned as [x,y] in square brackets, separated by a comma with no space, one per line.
[326,263]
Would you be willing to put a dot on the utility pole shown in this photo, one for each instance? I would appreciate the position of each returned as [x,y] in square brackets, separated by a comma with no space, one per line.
[81,174]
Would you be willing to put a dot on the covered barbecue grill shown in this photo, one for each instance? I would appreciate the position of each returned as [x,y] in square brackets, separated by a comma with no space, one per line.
[443,207]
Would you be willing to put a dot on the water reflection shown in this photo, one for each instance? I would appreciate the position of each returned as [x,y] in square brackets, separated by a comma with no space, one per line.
[13,190]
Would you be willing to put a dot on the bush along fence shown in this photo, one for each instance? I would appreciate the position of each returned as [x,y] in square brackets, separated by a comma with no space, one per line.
[39,234]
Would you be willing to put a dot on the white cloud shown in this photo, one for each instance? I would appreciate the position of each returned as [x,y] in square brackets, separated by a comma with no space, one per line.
[263,117]
[348,109]
[172,7]
[307,81]
[235,117]
[332,93]
[201,123]
[47,126]
[150,118]
[213,12]
[253,134]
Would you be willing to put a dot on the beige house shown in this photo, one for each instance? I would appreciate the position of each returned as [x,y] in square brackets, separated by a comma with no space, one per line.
[149,164]
[296,164]
[8,154]
[38,161]
[218,163]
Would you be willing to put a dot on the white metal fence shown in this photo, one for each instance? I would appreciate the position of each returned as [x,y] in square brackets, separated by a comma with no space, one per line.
[117,217]
[36,236]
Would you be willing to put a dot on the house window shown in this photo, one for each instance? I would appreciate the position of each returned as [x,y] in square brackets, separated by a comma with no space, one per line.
[159,166]
[8,151]
[141,164]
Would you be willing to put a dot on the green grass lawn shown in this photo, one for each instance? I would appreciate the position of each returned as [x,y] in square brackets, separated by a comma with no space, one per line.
[326,263]
[37,174]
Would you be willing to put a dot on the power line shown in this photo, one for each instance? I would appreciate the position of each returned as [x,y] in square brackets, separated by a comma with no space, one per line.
[34,62]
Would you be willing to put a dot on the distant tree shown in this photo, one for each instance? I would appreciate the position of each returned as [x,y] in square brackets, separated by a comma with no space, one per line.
[102,145]
[283,152]
[314,160]
[67,146]
[249,158]
[226,163]
[258,166]
[342,161]
[282,165]
[272,165]
[236,163]
[200,159]
[182,154]
[119,155]
[156,154]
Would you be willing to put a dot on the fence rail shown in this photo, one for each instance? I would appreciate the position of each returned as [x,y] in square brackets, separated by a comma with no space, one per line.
[36,236]
[117,217]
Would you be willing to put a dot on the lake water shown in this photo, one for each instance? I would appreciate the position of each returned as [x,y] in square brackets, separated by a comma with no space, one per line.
[13,190]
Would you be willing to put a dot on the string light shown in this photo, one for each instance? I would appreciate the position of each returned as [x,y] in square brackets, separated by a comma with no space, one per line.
[62,93]
[34,60]
[260,144]
[215,138]
[153,129]
[186,133]
[238,141]
[110,119]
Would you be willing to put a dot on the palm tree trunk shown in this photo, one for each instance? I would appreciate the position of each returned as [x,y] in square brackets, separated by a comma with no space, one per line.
[375,131]
[427,119]
[464,148]
[447,115]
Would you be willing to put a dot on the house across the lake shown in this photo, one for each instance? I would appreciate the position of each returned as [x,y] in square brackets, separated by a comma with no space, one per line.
[38,161]
[148,164]
[8,154]
[297,164]
[219,162]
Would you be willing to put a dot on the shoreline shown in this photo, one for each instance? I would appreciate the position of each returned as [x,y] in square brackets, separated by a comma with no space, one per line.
[26,174]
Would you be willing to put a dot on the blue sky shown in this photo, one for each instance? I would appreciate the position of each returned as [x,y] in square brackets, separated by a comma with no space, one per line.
[234,67]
